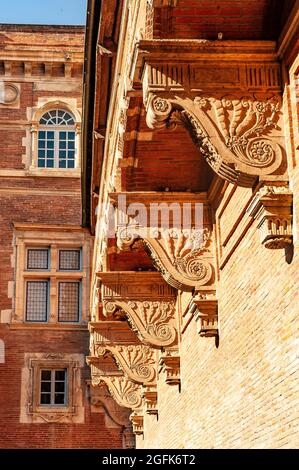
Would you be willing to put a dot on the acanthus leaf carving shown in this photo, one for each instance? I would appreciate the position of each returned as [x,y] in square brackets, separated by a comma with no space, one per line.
[232,133]
[125,392]
[136,361]
[182,256]
[151,320]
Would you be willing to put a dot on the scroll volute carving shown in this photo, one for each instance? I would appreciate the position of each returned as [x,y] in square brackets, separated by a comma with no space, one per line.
[239,130]
[145,300]
[125,392]
[137,361]
[182,253]
[237,134]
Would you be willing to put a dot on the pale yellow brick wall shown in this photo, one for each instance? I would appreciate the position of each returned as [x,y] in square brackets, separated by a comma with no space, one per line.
[245,394]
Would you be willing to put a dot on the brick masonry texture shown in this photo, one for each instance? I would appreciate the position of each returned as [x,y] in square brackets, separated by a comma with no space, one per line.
[38,200]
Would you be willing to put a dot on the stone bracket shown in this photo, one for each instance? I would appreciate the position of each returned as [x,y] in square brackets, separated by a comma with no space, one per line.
[150,400]
[145,300]
[125,392]
[272,209]
[239,130]
[137,423]
[170,364]
[206,316]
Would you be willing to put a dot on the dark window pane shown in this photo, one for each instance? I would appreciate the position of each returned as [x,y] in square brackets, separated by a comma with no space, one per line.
[45,398]
[69,260]
[37,301]
[68,301]
[41,134]
[41,154]
[50,153]
[41,144]
[41,163]
[46,375]
[45,387]
[71,145]
[71,154]
[59,387]
[59,374]
[71,135]
[59,398]
[62,144]
[62,135]
[37,258]
[71,164]
[62,154]
[50,163]
[50,135]
[50,144]
[62,163]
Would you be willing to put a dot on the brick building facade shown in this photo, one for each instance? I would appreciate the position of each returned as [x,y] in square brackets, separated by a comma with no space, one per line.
[195,102]
[45,398]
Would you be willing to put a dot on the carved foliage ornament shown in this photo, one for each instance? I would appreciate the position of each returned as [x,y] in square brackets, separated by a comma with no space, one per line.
[125,392]
[231,132]
[150,319]
[181,256]
[136,361]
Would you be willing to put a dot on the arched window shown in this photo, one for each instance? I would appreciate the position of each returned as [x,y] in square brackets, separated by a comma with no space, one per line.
[56,140]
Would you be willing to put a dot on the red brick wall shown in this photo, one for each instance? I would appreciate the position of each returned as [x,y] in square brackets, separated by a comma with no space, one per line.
[13,434]
[39,200]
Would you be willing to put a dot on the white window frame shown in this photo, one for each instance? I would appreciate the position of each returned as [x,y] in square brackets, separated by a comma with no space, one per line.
[52,238]
[52,387]
[33,168]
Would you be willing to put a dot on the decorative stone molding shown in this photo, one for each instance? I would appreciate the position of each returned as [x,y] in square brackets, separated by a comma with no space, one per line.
[231,131]
[145,300]
[183,255]
[136,361]
[137,422]
[125,392]
[150,399]
[31,411]
[272,208]
[170,364]
[206,314]
[238,131]
[9,94]
[115,415]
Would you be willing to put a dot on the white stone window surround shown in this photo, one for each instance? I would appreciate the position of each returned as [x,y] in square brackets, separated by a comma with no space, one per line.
[36,126]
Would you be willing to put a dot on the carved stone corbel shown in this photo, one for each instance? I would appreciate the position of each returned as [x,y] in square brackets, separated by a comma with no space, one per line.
[170,364]
[150,399]
[137,422]
[136,361]
[145,300]
[125,392]
[183,255]
[231,131]
[238,131]
[272,208]
[206,315]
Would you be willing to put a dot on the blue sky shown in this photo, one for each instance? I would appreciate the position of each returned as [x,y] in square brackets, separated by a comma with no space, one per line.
[43,11]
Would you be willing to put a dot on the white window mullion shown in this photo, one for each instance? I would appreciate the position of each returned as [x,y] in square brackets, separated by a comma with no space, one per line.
[56,149]
[52,387]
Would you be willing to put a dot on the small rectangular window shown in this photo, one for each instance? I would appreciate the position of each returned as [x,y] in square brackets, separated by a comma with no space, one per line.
[68,301]
[37,301]
[69,260]
[38,258]
[53,385]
